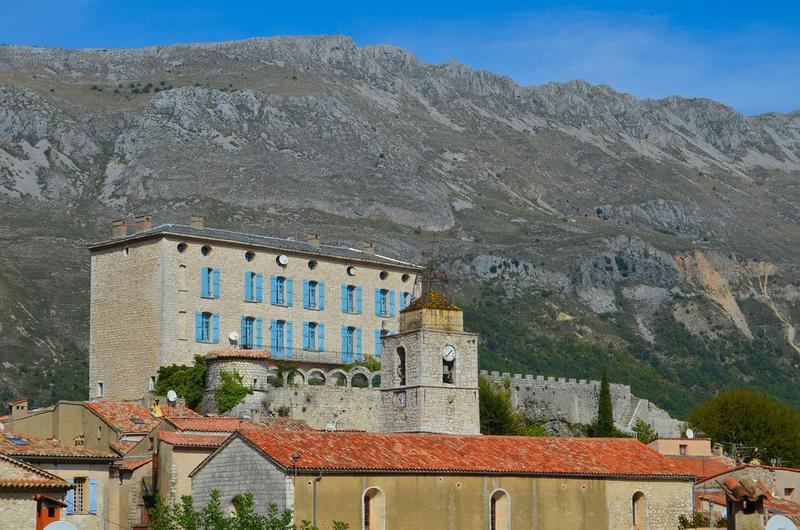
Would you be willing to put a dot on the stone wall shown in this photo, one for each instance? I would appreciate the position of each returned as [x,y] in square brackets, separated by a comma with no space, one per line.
[664,502]
[17,510]
[575,401]
[237,469]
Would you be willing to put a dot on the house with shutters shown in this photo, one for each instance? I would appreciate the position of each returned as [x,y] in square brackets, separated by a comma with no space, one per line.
[160,295]
[29,496]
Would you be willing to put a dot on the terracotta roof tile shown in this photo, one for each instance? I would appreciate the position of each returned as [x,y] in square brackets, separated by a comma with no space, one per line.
[179,439]
[206,423]
[32,446]
[133,418]
[285,424]
[130,464]
[429,453]
[15,474]
[238,354]
[703,466]
[121,447]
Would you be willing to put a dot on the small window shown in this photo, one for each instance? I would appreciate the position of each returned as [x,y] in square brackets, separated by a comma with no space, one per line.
[126,251]
[313,295]
[639,511]
[181,248]
[382,303]
[249,256]
[349,340]
[205,327]
[51,512]
[280,290]
[310,336]
[99,432]
[401,365]
[405,277]
[312,264]
[248,334]
[351,271]
[79,494]
[152,383]
[384,275]
[100,390]
[499,511]
[373,508]
[205,250]
[350,302]
[682,449]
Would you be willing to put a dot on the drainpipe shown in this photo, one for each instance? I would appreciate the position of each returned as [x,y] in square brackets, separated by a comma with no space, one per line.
[314,512]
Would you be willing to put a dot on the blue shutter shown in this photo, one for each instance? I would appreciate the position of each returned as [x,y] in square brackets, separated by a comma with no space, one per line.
[204,282]
[289,338]
[359,299]
[377,302]
[344,298]
[403,300]
[248,287]
[377,343]
[216,328]
[243,336]
[321,295]
[259,340]
[70,500]
[344,345]
[321,337]
[273,289]
[391,304]
[306,295]
[289,291]
[306,339]
[198,326]
[359,350]
[92,496]
[216,283]
[273,341]
[259,287]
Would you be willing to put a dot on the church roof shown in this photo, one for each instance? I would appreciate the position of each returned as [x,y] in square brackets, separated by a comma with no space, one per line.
[431,299]
[360,452]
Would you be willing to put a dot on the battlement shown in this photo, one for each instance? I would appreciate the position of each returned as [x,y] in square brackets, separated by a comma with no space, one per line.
[528,379]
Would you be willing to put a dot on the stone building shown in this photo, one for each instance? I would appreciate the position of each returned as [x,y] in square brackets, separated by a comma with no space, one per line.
[163,294]
[29,497]
[439,481]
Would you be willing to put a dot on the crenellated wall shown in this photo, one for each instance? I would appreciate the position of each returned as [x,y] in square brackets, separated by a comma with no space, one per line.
[575,401]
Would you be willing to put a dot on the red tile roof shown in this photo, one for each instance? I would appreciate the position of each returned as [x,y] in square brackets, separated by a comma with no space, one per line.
[133,418]
[130,464]
[121,447]
[17,401]
[238,354]
[179,439]
[20,445]
[439,453]
[15,474]
[230,424]
[703,466]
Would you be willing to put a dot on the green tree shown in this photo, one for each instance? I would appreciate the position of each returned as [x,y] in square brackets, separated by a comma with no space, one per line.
[757,424]
[188,382]
[697,520]
[231,391]
[498,415]
[603,427]
[645,432]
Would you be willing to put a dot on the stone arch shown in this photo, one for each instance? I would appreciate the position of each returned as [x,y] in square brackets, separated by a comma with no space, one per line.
[375,380]
[274,377]
[499,510]
[639,511]
[318,376]
[337,377]
[359,380]
[296,377]
[373,509]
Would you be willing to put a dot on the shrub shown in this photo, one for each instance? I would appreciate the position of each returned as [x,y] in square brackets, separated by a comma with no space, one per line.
[231,391]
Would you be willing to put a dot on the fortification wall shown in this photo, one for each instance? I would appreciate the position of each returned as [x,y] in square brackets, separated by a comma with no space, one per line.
[575,401]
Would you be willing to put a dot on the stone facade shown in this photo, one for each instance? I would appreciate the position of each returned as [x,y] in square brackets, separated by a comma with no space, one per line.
[17,510]
[663,503]
[146,293]
[239,468]
[575,401]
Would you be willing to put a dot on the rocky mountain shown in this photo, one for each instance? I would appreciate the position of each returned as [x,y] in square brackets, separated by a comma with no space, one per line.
[656,236]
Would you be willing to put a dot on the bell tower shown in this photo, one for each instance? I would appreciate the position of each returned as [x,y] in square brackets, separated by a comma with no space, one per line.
[429,371]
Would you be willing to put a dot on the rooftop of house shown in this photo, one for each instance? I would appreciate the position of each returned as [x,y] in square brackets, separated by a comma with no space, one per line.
[349,452]
[431,299]
[133,418]
[25,446]
[272,243]
[229,424]
[200,441]
[703,466]
[122,447]
[15,474]
[131,464]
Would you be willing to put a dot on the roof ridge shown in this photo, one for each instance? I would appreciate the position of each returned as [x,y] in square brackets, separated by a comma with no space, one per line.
[31,468]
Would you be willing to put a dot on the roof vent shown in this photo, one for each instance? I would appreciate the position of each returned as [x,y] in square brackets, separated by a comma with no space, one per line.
[119,228]
[313,240]
[143,222]
[368,248]
[196,221]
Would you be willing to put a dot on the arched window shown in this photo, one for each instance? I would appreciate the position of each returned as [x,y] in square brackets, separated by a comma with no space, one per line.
[639,506]
[500,511]
[373,509]
[401,365]
[448,371]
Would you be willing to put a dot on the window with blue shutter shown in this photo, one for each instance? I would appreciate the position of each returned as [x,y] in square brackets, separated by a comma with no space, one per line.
[198,326]
[378,345]
[306,295]
[249,287]
[378,307]
[403,300]
[92,496]
[310,336]
[359,349]
[346,354]
[289,292]
[321,337]
[248,332]
[289,339]
[259,338]
[391,304]
[281,291]
[274,345]
[381,302]
[216,283]
[273,289]
[204,326]
[206,283]
[359,300]
[216,328]
[259,287]
[321,295]
[70,498]
[306,342]
[344,298]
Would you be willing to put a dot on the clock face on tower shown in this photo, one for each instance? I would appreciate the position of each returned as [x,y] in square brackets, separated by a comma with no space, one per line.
[449,353]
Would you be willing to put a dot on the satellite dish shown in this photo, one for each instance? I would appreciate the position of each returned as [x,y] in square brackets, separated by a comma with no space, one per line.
[779,522]
[233,337]
[172,397]
[60,525]
[689,434]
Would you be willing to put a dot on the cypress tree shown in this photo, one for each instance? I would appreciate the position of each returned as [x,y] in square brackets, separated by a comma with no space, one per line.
[604,427]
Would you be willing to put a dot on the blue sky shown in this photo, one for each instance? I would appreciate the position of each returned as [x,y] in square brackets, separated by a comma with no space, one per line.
[744,54]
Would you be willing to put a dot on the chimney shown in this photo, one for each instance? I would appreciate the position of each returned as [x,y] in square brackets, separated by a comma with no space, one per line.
[196,221]
[313,240]
[18,408]
[368,248]
[119,228]
[143,222]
